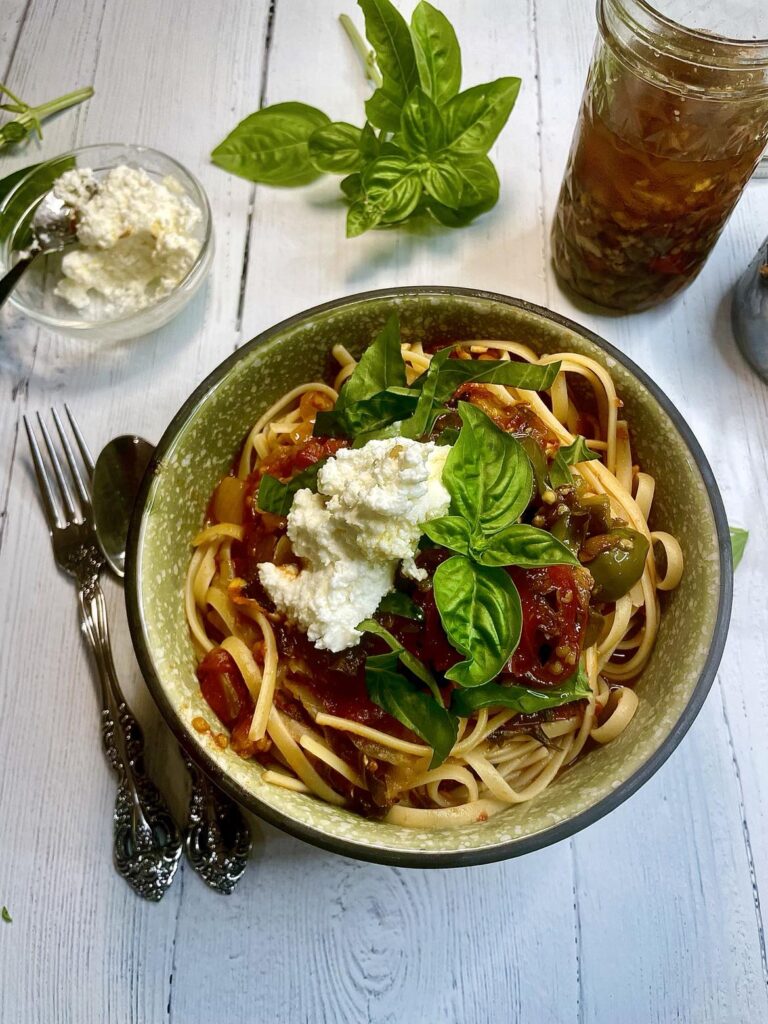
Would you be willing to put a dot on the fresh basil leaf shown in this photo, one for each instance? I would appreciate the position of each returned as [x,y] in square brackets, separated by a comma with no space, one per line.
[336,148]
[450,531]
[370,146]
[422,133]
[381,366]
[481,614]
[569,455]
[412,707]
[739,538]
[5,914]
[538,462]
[474,118]
[276,496]
[272,145]
[361,217]
[392,187]
[17,217]
[480,193]
[408,660]
[442,180]
[523,699]
[448,435]
[577,451]
[488,476]
[388,34]
[398,603]
[446,375]
[383,111]
[369,416]
[525,546]
[438,57]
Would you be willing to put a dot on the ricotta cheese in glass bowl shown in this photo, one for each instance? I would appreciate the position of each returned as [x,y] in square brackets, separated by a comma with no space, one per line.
[144,242]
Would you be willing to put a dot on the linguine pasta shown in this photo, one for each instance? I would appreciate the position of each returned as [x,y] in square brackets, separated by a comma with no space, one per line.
[500,757]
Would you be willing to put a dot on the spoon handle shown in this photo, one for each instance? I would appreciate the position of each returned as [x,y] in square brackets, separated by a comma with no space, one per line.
[9,281]
[217,839]
[147,844]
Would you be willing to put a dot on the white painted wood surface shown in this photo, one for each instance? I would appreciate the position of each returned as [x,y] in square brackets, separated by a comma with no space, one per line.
[651,915]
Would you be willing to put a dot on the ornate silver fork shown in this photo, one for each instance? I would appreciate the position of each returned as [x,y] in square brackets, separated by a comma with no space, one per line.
[147,844]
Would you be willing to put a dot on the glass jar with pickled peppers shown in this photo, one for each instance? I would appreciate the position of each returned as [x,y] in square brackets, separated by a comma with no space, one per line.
[672,123]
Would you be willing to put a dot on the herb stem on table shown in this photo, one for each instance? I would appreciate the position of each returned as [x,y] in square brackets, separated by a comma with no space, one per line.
[29,119]
[368,57]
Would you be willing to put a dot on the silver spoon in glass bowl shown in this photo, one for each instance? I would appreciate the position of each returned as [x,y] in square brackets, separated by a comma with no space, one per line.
[54,227]
[217,838]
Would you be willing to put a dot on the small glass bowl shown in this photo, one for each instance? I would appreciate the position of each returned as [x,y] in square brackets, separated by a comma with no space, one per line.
[34,295]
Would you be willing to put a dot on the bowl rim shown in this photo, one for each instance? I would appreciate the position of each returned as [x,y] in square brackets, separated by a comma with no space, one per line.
[415,858]
[200,264]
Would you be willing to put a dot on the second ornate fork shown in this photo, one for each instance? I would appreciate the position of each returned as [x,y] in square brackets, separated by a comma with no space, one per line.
[147,844]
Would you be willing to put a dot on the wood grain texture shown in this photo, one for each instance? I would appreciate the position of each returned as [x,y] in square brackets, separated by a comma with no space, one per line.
[651,915]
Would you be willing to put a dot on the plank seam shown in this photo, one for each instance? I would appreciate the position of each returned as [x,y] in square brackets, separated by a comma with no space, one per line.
[534,34]
[268,37]
[169,1007]
[577,935]
[747,840]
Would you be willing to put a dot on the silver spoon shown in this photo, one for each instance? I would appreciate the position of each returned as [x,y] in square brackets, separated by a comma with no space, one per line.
[54,227]
[749,312]
[217,839]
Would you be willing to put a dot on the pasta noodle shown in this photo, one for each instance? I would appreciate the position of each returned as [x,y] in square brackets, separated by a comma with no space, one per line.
[501,757]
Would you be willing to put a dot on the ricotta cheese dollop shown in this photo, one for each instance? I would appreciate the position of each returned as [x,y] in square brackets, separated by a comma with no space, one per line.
[351,535]
[138,240]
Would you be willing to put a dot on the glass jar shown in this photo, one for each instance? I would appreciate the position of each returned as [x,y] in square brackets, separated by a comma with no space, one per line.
[672,123]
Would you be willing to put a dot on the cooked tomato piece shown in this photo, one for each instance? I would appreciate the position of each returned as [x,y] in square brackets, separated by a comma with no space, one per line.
[555,603]
[223,687]
[291,459]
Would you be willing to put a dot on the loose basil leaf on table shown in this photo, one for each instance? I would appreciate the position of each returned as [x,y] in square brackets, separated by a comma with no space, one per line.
[569,455]
[276,496]
[525,546]
[438,56]
[408,660]
[398,603]
[272,145]
[487,474]
[481,614]
[411,706]
[523,699]
[739,538]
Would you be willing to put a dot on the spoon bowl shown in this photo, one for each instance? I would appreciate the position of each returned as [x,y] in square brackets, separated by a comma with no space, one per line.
[116,479]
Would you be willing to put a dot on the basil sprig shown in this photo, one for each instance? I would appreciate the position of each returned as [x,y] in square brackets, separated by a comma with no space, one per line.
[490,481]
[424,145]
[522,699]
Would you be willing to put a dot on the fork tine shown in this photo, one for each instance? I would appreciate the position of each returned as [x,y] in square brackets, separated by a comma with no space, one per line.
[66,493]
[46,492]
[82,489]
[84,449]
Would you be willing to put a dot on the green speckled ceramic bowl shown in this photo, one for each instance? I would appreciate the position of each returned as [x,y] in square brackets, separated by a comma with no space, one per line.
[199,446]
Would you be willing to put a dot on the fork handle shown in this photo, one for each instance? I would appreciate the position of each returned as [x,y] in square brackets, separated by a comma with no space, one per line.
[9,281]
[147,843]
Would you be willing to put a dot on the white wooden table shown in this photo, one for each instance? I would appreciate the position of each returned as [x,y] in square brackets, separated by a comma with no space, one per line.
[654,913]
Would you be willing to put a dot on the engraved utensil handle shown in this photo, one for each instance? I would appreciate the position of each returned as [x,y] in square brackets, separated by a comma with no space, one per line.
[217,839]
[147,844]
